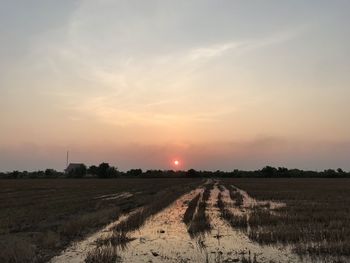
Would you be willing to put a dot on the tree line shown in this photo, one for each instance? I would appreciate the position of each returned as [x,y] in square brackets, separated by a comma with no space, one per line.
[104,170]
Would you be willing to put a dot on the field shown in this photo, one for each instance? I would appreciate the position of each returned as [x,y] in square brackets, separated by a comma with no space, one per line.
[38,218]
[175,220]
[315,220]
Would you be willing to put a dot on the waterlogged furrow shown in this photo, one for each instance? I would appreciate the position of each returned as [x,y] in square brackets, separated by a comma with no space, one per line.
[191,209]
[227,243]
[163,233]
[78,251]
[164,238]
[200,223]
[232,218]
[115,234]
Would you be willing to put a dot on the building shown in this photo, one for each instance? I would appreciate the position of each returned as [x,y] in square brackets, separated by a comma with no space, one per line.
[73,166]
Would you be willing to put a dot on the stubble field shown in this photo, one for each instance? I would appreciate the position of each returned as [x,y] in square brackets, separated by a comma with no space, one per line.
[175,220]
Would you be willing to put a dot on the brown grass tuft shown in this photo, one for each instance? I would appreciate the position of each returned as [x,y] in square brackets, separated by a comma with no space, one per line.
[102,255]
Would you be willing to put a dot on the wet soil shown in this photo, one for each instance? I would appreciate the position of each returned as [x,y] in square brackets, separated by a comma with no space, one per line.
[165,238]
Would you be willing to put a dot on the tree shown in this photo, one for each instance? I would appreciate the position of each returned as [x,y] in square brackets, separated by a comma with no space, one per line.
[269,171]
[51,173]
[192,173]
[93,169]
[106,171]
[134,172]
[340,171]
[330,173]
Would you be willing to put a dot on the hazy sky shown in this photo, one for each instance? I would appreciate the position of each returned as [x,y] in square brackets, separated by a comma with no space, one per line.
[216,84]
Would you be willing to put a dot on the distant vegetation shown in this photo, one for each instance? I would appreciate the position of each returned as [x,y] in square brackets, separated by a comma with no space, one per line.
[104,170]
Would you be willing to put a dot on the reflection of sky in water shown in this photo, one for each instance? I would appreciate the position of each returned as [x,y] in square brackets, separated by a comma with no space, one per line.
[165,238]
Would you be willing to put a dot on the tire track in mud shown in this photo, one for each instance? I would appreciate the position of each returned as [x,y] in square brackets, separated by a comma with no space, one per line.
[116,234]
[232,244]
[77,252]
[164,237]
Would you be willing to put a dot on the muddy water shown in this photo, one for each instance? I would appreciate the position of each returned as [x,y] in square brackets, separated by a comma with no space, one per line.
[249,202]
[233,244]
[165,239]
[122,195]
[78,251]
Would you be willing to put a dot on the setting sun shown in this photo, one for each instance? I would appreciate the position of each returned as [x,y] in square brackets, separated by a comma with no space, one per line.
[176,162]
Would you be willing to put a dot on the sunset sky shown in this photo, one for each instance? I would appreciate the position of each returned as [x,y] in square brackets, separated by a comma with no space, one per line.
[214,84]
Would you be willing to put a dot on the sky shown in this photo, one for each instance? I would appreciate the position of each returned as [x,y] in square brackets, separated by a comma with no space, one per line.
[230,84]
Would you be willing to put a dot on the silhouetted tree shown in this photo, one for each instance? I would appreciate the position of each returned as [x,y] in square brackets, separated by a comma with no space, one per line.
[269,171]
[106,171]
[192,173]
[93,169]
[51,173]
[340,171]
[134,172]
[330,173]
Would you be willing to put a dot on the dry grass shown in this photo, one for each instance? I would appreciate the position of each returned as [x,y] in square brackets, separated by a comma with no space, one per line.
[50,239]
[161,201]
[191,209]
[136,220]
[102,255]
[201,222]
[235,195]
[50,214]
[250,259]
[15,250]
[235,221]
[262,216]
[207,190]
[221,188]
[316,220]
[117,240]
[80,226]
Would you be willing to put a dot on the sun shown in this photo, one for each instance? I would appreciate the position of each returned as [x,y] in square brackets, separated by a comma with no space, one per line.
[176,162]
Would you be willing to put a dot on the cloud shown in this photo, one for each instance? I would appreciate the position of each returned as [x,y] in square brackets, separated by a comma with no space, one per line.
[134,86]
[244,46]
[212,51]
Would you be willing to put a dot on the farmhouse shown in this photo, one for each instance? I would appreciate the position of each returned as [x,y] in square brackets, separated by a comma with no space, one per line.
[73,166]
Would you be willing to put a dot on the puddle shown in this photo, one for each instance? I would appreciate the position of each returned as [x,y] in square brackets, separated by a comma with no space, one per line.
[165,239]
[233,244]
[250,202]
[79,250]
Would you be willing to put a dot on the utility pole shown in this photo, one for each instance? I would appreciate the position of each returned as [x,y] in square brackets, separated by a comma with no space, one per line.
[67,159]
